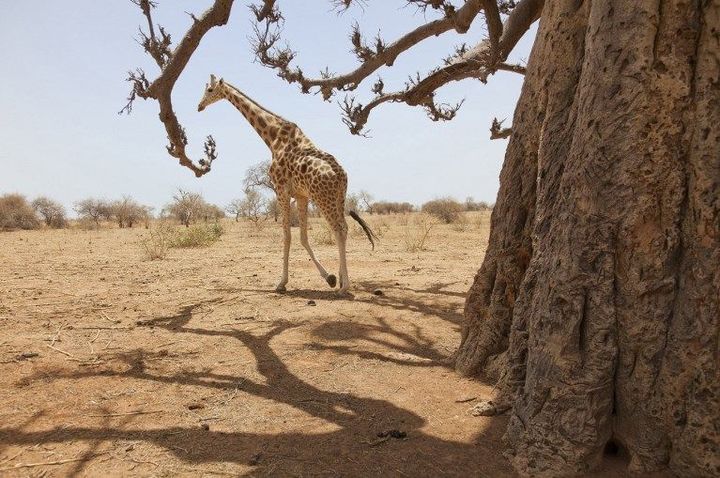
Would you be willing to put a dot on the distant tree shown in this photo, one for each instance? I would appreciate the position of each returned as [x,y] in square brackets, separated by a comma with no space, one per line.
[472,205]
[127,212]
[365,201]
[52,212]
[186,206]
[258,176]
[93,209]
[16,213]
[388,207]
[447,210]
[211,212]
[235,208]
[253,206]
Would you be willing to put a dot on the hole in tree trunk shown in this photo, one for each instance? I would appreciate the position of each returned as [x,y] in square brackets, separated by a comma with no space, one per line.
[612,448]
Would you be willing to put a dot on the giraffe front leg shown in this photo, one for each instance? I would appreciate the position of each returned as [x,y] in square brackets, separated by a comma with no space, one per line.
[284,204]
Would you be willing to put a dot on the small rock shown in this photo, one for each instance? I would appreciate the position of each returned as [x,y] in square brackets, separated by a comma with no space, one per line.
[484,408]
[378,292]
[26,355]
[205,426]
[195,406]
[311,302]
[394,433]
[255,459]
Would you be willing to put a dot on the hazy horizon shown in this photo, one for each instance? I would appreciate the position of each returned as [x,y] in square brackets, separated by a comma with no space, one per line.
[61,136]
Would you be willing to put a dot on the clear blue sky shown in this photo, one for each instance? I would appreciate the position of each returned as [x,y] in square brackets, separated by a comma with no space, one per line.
[62,83]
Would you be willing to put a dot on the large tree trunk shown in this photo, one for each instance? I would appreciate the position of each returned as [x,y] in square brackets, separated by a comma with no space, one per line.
[598,304]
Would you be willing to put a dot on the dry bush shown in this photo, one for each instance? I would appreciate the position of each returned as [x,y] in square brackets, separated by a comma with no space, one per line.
[447,210]
[323,234]
[416,232]
[91,211]
[472,205]
[387,207]
[158,241]
[16,213]
[198,235]
[127,212]
[51,212]
[185,207]
[462,223]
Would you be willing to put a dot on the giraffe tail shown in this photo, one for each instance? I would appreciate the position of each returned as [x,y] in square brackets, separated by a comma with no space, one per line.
[370,234]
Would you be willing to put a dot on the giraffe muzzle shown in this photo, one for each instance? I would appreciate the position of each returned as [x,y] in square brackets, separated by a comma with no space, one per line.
[201,107]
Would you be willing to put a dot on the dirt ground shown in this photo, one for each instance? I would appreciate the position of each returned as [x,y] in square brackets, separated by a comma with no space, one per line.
[115,365]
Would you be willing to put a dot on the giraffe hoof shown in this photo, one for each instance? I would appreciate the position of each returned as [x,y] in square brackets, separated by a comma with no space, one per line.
[331,280]
[280,289]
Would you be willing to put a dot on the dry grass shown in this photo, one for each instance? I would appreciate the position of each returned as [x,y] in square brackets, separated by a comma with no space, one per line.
[417,231]
[197,235]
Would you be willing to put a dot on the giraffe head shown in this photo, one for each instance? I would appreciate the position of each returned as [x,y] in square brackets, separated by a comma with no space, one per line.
[213,92]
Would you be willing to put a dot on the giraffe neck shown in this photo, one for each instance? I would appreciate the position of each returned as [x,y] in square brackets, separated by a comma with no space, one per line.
[266,123]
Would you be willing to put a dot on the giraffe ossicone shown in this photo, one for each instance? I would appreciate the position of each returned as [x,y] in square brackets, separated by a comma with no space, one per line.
[298,170]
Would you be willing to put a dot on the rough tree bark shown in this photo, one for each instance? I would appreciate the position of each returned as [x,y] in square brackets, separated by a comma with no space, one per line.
[597,306]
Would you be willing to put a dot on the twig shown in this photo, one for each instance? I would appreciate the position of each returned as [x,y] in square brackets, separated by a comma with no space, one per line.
[139,412]
[105,316]
[61,351]
[49,463]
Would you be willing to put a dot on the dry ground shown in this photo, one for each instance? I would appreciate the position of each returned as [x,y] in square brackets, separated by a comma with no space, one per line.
[115,365]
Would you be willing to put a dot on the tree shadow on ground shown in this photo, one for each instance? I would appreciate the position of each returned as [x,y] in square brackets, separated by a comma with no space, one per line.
[350,450]
[399,300]
[414,349]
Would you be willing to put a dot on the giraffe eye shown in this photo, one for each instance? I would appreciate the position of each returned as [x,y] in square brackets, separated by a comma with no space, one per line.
[210,90]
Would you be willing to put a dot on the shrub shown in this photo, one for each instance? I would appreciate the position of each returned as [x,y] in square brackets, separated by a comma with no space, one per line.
[51,212]
[185,207]
[447,210]
[94,210]
[199,235]
[16,213]
[472,205]
[387,207]
[128,212]
[416,235]
[324,234]
[158,242]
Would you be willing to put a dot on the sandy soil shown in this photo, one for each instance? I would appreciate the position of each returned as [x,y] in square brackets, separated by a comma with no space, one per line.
[115,365]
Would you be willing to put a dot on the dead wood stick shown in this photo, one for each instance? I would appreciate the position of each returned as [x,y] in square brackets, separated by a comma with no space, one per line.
[139,412]
[61,351]
[49,463]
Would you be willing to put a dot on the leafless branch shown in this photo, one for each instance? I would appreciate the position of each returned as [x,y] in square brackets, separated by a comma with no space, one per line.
[478,62]
[372,59]
[497,131]
[172,64]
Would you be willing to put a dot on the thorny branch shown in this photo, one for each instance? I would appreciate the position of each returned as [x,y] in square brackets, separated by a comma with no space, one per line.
[157,43]
[479,62]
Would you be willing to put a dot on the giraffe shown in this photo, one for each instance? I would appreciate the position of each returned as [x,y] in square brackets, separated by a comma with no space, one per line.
[298,170]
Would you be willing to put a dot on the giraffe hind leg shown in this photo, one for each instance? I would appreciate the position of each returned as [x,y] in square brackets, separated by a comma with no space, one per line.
[302,204]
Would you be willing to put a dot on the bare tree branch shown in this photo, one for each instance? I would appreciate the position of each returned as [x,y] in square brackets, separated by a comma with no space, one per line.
[372,59]
[478,62]
[497,131]
[172,65]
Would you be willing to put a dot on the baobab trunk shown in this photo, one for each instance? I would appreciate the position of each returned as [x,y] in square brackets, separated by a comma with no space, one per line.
[597,306]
